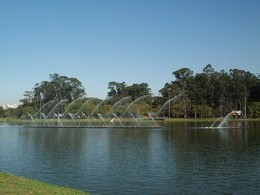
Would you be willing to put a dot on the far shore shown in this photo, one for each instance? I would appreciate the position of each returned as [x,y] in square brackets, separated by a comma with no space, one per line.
[166,120]
[204,119]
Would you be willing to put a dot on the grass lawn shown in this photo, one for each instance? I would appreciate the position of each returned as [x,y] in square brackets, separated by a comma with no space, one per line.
[11,184]
[167,120]
[172,120]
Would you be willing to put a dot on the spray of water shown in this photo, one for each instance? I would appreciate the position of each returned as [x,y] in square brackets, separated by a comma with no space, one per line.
[100,104]
[56,106]
[135,101]
[125,99]
[170,101]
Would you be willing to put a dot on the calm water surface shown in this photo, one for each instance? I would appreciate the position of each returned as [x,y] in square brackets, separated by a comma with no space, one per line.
[180,158]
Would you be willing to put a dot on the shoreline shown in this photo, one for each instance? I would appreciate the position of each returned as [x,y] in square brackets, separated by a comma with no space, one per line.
[166,120]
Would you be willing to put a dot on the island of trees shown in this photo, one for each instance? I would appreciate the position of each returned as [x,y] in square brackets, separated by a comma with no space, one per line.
[206,94]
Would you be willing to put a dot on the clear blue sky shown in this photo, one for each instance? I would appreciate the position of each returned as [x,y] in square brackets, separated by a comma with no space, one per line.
[132,41]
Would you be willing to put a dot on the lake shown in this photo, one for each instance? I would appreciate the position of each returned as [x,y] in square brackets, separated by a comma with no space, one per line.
[179,158]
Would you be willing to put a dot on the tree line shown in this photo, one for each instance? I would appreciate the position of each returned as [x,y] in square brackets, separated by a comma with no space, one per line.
[206,94]
[213,93]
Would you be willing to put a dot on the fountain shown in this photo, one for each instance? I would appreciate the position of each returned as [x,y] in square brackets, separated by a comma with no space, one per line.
[224,121]
[43,108]
[135,101]
[87,119]
[151,117]
[67,108]
[32,119]
[118,103]
[115,116]
[121,114]
[229,121]
[100,116]
[98,105]
[83,105]
[59,121]
[56,106]
[71,116]
[137,122]
[218,119]
[45,119]
[170,101]
[129,117]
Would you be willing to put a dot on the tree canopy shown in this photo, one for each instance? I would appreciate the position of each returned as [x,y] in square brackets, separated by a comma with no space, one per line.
[58,88]
[213,93]
[120,90]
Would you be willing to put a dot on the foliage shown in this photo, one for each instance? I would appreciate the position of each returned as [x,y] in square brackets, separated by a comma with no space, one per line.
[204,111]
[120,90]
[255,109]
[181,107]
[10,112]
[58,88]
[211,92]
[22,111]
[2,112]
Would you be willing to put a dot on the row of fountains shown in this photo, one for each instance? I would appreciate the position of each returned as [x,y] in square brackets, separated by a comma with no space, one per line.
[121,114]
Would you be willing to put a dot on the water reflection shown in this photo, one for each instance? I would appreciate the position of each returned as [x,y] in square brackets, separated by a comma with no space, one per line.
[177,159]
[218,157]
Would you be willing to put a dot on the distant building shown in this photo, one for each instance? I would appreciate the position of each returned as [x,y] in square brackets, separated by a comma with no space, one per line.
[7,106]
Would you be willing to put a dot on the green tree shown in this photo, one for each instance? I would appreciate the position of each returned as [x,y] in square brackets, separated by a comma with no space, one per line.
[2,112]
[120,90]
[28,98]
[170,90]
[255,91]
[58,88]
[241,83]
[204,110]
[221,91]
[116,91]
[255,109]
[137,90]
[182,107]
[182,76]
[184,80]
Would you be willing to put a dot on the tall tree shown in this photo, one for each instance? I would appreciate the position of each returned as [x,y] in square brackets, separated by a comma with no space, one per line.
[182,75]
[58,88]
[242,82]
[137,90]
[116,91]
[120,90]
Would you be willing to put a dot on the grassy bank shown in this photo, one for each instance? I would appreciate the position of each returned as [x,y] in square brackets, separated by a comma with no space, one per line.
[171,120]
[13,121]
[54,121]
[10,184]
[188,119]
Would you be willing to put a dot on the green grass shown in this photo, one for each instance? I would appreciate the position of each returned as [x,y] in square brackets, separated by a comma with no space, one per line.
[29,121]
[11,184]
[188,119]
[172,120]
[13,120]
